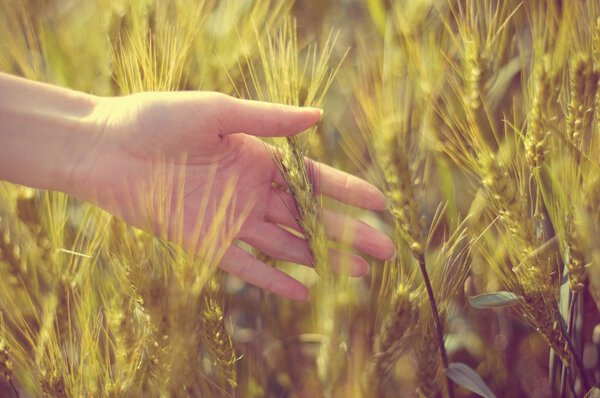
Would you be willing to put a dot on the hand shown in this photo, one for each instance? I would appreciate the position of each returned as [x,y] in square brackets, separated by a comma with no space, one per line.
[211,138]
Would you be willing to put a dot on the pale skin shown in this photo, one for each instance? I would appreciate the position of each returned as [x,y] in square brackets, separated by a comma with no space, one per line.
[98,148]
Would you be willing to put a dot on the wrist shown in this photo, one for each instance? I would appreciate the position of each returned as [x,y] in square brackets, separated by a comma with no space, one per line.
[82,132]
[95,159]
[43,130]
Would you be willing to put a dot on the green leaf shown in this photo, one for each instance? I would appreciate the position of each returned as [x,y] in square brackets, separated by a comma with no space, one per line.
[593,393]
[494,300]
[466,377]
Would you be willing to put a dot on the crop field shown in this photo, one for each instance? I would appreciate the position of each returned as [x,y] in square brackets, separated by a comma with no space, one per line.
[478,119]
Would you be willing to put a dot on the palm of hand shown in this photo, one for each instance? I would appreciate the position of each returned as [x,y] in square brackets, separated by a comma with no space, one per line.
[195,136]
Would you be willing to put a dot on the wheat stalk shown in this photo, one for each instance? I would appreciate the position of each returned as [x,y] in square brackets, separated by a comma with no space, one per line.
[286,78]
[428,365]
[214,334]
[391,340]
[6,363]
[537,136]
[583,87]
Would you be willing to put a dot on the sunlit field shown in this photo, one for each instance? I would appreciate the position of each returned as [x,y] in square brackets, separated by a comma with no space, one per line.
[479,120]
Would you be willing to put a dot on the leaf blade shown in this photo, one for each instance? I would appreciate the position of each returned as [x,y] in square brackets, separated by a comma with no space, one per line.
[466,377]
[494,300]
[593,393]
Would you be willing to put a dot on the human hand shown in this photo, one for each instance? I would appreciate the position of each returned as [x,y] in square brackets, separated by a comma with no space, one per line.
[210,138]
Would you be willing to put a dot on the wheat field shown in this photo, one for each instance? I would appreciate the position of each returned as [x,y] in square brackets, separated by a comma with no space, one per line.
[479,120]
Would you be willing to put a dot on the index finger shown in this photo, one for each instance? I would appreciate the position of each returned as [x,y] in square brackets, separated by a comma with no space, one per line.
[264,119]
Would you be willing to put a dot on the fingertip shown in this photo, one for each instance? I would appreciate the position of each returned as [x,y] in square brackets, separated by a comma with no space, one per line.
[265,119]
[290,288]
[348,263]
[372,198]
[376,244]
[360,267]
[394,255]
[382,247]
[387,249]
[300,294]
[310,117]
[318,112]
[378,200]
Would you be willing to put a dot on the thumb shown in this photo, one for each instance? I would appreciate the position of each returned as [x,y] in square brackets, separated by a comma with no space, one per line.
[264,119]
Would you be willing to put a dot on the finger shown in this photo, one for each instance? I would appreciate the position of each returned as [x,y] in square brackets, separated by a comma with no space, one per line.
[360,235]
[281,245]
[345,187]
[348,263]
[339,185]
[248,268]
[277,243]
[264,119]
[282,209]
[339,227]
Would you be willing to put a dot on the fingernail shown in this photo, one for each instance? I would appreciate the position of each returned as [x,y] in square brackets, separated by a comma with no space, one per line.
[316,109]
[364,271]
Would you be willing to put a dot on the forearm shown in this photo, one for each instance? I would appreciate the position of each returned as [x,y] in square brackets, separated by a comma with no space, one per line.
[42,131]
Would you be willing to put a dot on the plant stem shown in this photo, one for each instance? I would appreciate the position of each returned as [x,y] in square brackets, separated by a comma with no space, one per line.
[438,323]
[576,358]
[571,383]
[570,320]
[552,371]
[12,385]
[563,381]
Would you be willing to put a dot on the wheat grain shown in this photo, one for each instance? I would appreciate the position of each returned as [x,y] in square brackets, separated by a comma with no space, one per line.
[402,197]
[215,336]
[6,367]
[426,349]
[294,83]
[512,210]
[581,70]
[576,262]
[391,340]
[537,136]
[476,72]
